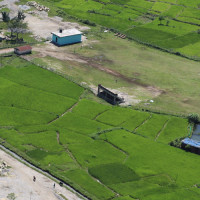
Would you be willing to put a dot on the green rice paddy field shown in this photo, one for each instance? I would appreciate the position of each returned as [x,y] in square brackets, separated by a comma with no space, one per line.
[103,151]
[139,20]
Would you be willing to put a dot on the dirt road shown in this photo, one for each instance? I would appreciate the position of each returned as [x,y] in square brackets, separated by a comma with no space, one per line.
[5,51]
[20,182]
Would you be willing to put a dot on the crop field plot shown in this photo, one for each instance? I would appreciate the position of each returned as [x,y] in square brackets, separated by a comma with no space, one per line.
[103,151]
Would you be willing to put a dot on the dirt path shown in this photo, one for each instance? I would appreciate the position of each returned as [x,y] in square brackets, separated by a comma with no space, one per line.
[4,51]
[20,182]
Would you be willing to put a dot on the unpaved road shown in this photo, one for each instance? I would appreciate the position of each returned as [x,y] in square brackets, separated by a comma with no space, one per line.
[20,182]
[4,51]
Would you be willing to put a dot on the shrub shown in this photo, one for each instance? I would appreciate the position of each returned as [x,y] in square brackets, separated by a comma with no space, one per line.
[194,118]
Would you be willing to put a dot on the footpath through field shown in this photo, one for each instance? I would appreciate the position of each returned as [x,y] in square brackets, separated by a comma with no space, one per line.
[20,182]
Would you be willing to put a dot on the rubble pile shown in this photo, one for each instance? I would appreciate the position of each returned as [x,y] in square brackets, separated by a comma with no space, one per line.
[4,168]
[38,6]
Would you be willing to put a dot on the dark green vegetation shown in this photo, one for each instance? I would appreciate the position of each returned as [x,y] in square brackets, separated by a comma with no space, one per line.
[170,24]
[105,152]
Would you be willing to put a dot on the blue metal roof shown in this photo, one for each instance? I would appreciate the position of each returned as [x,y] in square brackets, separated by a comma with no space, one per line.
[191,142]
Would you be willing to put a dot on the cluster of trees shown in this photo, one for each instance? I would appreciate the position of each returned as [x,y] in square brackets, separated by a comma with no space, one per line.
[16,25]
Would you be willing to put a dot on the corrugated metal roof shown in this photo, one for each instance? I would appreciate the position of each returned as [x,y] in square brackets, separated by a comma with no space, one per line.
[24,48]
[68,32]
[191,142]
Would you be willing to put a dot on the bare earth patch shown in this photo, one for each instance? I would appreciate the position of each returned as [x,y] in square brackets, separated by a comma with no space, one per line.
[41,25]
[18,179]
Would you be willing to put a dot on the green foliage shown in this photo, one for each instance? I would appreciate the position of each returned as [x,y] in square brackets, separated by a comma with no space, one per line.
[5,16]
[194,118]
[11,196]
[113,173]
[161,18]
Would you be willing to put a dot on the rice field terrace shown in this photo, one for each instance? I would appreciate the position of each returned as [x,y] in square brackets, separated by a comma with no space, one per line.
[103,151]
[167,24]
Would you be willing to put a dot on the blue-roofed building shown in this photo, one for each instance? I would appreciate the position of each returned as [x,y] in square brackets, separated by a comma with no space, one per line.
[194,145]
[66,37]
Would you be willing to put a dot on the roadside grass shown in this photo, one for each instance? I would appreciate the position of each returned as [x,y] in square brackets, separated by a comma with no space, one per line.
[96,190]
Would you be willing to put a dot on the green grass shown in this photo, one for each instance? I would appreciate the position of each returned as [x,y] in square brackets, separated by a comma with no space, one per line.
[79,124]
[32,99]
[136,120]
[153,126]
[83,180]
[93,146]
[38,78]
[175,129]
[89,109]
[113,173]
[114,116]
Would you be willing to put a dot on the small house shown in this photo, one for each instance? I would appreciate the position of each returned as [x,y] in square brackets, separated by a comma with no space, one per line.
[65,37]
[23,50]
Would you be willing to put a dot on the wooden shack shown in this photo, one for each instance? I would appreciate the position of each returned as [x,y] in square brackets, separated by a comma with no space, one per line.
[23,50]
[109,96]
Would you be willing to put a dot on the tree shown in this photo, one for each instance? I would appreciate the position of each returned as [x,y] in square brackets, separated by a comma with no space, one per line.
[17,26]
[161,18]
[5,16]
[21,15]
[194,118]
[167,23]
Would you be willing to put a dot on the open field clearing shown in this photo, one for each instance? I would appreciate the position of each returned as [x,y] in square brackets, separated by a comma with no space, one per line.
[137,73]
[100,150]
[139,20]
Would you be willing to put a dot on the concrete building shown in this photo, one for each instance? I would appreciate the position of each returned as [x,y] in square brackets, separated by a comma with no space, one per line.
[23,50]
[65,37]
